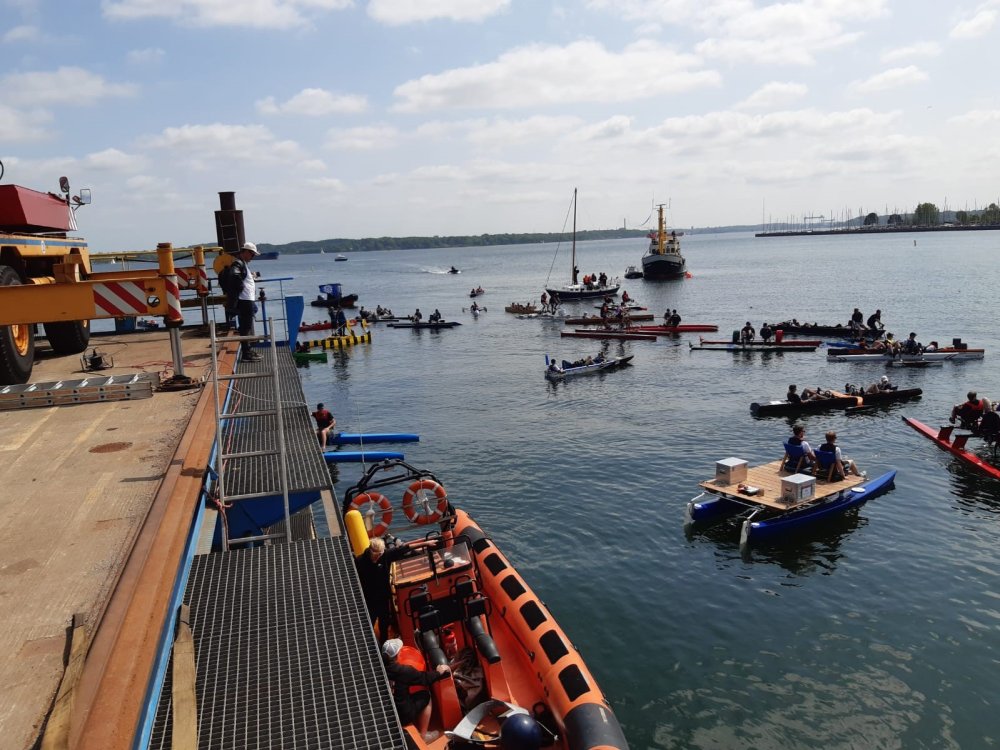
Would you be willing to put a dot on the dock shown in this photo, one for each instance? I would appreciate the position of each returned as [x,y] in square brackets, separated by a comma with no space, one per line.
[108,536]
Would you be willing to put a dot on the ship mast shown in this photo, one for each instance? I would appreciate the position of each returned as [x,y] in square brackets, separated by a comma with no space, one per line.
[661,235]
[573,261]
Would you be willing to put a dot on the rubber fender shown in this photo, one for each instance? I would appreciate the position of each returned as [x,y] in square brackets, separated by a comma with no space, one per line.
[356,532]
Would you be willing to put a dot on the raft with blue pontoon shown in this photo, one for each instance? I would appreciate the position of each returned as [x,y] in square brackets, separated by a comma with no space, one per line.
[772,508]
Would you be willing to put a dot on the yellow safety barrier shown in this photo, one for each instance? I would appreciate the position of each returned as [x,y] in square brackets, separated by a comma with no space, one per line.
[340,342]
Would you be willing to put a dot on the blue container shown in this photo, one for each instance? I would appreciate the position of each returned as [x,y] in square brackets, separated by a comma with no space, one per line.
[124,325]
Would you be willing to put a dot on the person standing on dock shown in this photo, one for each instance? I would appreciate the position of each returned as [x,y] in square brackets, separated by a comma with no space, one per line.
[245,305]
[324,423]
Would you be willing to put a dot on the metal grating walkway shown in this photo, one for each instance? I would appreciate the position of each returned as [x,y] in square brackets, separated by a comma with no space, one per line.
[284,652]
[260,474]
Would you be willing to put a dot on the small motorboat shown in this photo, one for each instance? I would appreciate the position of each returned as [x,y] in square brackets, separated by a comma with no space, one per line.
[753,346]
[946,354]
[682,328]
[607,333]
[597,320]
[435,325]
[477,292]
[521,308]
[340,258]
[569,369]
[633,273]
[458,602]
[836,400]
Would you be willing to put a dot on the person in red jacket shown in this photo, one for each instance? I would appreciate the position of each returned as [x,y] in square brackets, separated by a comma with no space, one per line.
[324,423]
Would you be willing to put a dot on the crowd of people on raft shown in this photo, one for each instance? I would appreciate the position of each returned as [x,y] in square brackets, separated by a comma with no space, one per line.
[818,394]
[566,364]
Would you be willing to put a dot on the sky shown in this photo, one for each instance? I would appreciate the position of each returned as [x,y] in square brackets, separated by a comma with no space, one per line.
[369,118]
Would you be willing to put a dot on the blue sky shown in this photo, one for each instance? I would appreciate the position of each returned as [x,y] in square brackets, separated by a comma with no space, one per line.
[333,118]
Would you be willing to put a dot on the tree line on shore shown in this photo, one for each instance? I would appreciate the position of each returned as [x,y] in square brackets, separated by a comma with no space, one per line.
[423,243]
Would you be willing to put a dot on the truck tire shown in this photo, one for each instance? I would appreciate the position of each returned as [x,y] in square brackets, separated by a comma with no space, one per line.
[17,342]
[69,337]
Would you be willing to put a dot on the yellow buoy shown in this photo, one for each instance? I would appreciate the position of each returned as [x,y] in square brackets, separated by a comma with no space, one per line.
[356,531]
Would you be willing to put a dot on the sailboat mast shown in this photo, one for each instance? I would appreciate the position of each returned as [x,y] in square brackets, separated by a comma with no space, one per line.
[573,261]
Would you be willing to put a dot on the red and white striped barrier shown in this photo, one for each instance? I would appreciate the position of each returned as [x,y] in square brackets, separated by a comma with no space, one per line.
[119,298]
[174,317]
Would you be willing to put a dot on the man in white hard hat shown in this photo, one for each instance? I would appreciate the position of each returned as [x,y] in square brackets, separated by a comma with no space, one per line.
[245,304]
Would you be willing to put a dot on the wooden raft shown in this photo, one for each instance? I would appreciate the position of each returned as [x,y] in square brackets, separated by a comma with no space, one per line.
[768,478]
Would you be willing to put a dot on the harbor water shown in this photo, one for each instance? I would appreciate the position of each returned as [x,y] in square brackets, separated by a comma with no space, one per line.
[878,630]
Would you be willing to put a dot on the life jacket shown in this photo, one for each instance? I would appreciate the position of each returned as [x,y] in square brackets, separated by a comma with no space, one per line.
[411,657]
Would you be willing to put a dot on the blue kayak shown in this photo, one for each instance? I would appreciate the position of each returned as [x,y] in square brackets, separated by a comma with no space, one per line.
[339,457]
[358,438]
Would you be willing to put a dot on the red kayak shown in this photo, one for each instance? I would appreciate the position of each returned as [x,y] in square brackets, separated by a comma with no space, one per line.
[683,328]
[598,334]
[942,438]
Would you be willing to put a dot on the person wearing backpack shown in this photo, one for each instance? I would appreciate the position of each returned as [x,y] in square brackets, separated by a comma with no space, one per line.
[238,284]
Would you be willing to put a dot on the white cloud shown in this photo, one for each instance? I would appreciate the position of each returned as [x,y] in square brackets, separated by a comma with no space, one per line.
[67,85]
[400,12]
[979,24]
[789,33]
[219,142]
[890,79]
[21,34]
[977,117]
[362,138]
[327,183]
[113,160]
[22,126]
[773,95]
[917,49]
[314,103]
[503,133]
[146,56]
[541,75]
[261,14]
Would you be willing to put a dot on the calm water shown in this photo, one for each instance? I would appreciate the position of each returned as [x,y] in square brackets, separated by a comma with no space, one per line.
[878,631]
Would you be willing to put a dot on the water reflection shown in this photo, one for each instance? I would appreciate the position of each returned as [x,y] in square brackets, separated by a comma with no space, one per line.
[972,489]
[815,549]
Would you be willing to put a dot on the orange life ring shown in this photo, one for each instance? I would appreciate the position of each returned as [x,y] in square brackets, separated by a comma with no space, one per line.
[413,513]
[383,504]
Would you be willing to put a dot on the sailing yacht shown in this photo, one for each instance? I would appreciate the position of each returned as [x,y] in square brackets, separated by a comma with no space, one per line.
[576,290]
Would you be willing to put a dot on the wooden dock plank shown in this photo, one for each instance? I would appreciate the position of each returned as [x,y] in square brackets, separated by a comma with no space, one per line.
[768,478]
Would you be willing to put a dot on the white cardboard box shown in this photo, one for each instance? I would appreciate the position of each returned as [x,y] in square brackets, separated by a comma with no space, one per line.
[730,471]
[797,487]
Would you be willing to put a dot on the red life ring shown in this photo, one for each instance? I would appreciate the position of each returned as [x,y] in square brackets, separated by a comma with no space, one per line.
[383,504]
[414,513]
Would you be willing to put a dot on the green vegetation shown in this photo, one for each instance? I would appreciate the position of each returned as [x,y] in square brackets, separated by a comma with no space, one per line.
[414,243]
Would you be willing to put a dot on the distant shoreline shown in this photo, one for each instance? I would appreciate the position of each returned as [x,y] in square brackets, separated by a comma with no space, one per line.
[878,230]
